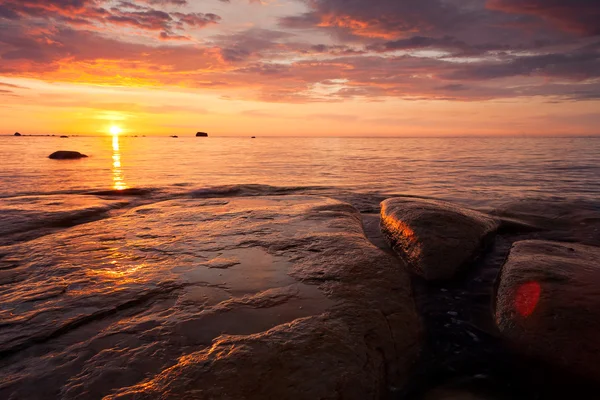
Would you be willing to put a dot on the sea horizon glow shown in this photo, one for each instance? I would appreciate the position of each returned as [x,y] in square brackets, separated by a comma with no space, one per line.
[300,68]
[115,130]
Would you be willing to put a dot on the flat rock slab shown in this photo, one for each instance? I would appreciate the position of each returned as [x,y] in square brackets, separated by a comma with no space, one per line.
[437,239]
[245,298]
[548,303]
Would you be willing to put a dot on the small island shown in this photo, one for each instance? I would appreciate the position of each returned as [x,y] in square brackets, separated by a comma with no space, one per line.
[201,134]
[17,134]
[66,155]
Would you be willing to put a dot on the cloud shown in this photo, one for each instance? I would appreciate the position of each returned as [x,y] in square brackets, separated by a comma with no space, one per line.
[577,65]
[138,14]
[12,86]
[331,51]
[380,18]
[580,16]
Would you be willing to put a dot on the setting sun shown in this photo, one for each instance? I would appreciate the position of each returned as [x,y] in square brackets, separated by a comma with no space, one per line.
[115,130]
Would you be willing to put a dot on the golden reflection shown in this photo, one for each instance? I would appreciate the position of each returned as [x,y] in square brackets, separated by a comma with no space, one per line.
[396,227]
[118,182]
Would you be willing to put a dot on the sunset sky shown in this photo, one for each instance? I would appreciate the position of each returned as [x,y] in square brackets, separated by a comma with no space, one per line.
[300,67]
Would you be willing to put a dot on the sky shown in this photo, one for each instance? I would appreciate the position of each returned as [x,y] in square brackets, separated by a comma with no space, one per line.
[300,67]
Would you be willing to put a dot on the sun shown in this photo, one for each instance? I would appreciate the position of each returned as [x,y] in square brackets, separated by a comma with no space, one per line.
[115,130]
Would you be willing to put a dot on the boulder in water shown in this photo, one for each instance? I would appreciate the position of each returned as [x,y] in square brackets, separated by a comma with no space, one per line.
[64,137]
[435,238]
[66,155]
[201,134]
[548,303]
[17,134]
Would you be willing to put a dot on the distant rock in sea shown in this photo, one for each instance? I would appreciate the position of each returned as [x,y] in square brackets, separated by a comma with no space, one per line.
[64,137]
[201,134]
[253,137]
[174,136]
[17,134]
[66,155]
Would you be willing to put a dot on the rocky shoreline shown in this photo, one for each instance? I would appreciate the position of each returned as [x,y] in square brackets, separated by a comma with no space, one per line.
[254,293]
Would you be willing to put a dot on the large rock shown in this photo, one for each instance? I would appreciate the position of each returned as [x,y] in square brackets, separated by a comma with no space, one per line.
[245,298]
[548,303]
[17,134]
[66,155]
[201,134]
[25,217]
[437,239]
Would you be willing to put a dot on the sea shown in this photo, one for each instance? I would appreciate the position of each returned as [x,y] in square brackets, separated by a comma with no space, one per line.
[469,170]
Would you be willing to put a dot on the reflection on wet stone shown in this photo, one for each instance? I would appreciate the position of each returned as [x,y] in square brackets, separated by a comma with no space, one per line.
[112,306]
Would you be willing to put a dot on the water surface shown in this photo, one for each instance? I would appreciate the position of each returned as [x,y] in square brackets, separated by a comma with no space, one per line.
[470,170]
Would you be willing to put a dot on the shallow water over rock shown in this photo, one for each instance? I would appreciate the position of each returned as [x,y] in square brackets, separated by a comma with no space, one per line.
[145,303]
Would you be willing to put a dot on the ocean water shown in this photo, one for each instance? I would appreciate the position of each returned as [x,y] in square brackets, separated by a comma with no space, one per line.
[468,170]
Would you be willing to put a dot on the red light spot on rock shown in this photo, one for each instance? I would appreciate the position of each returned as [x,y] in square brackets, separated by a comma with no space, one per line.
[527,298]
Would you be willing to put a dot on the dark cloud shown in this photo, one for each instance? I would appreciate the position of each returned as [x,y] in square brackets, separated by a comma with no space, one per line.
[577,66]
[381,18]
[446,44]
[138,14]
[581,16]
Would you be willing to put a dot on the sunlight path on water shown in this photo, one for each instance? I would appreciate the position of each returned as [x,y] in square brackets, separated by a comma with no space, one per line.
[119,183]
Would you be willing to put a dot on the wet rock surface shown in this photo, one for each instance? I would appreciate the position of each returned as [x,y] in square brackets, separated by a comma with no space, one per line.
[464,354]
[26,217]
[437,239]
[252,291]
[548,303]
[268,297]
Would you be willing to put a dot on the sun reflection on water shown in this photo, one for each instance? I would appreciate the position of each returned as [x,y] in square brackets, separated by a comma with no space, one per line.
[118,182]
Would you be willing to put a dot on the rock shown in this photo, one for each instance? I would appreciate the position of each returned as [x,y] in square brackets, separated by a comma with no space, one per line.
[548,304]
[253,137]
[66,155]
[201,134]
[33,216]
[17,134]
[232,298]
[64,137]
[175,136]
[437,239]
